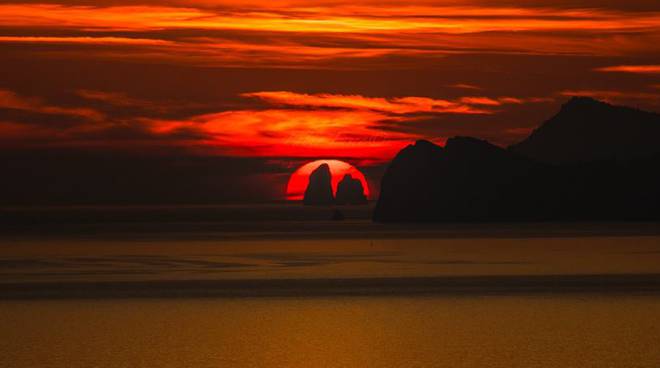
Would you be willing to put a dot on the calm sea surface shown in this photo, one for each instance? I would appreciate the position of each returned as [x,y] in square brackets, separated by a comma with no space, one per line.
[487,331]
[329,295]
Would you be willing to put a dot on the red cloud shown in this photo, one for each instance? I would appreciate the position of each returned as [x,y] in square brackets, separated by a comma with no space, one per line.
[291,124]
[321,124]
[307,133]
[638,69]
[397,105]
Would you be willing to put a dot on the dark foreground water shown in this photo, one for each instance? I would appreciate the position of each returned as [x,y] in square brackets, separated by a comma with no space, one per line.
[268,293]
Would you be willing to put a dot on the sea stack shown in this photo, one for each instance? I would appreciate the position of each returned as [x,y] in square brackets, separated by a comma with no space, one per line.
[319,189]
[350,191]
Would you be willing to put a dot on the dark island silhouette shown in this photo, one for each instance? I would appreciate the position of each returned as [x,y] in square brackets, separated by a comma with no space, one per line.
[319,190]
[571,168]
[587,130]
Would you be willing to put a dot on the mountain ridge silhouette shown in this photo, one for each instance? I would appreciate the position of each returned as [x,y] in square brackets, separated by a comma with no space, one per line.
[586,130]
[473,180]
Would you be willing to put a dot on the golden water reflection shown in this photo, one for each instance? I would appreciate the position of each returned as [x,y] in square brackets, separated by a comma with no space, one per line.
[488,331]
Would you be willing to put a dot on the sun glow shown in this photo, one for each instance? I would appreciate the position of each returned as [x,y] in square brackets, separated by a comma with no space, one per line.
[299,179]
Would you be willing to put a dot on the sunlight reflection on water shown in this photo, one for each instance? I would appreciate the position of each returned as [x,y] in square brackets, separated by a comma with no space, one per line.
[499,322]
[570,331]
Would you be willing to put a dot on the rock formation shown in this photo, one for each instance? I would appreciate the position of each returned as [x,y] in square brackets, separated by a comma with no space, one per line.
[350,191]
[319,189]
[464,181]
[587,130]
[473,180]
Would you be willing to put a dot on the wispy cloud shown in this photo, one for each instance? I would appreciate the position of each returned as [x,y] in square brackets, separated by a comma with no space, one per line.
[114,98]
[638,69]
[276,132]
[274,35]
[98,40]
[340,18]
[282,123]
[397,105]
[465,86]
[12,100]
[300,124]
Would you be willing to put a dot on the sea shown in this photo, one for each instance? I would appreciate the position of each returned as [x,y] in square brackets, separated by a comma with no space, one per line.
[282,285]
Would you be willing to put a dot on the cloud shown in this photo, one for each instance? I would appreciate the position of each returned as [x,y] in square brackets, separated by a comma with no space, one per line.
[13,101]
[85,40]
[114,98]
[314,125]
[283,123]
[397,105]
[328,35]
[465,86]
[486,101]
[291,133]
[130,106]
[31,122]
[637,69]
[340,18]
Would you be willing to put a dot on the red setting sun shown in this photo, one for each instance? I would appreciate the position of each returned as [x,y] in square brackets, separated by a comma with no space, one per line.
[295,189]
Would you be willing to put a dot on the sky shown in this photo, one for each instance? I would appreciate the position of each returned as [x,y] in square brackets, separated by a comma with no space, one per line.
[254,89]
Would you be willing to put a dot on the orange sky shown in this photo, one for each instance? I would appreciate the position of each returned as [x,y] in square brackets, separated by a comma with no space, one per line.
[297,79]
[273,34]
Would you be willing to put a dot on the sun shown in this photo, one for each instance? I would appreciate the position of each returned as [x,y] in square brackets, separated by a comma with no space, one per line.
[298,181]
